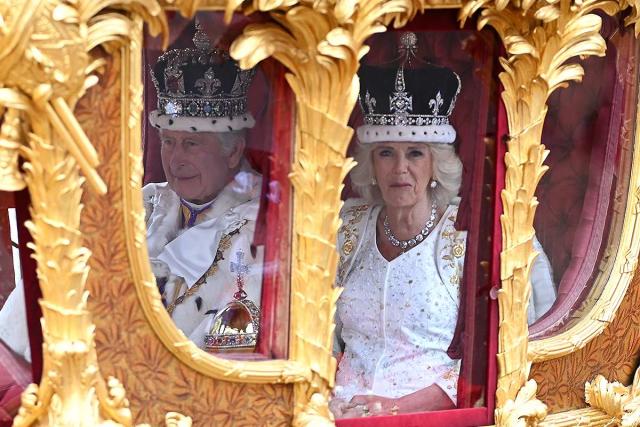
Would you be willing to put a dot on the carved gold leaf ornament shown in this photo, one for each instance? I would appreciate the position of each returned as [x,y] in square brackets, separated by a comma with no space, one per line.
[539,37]
[10,142]
[522,411]
[45,68]
[621,403]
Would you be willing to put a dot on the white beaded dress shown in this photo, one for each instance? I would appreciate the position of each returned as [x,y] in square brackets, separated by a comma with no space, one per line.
[398,317]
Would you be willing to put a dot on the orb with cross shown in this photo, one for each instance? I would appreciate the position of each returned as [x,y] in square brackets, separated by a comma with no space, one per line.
[236,326]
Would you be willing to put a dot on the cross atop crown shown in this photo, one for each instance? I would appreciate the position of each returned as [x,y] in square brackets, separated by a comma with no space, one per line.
[240,269]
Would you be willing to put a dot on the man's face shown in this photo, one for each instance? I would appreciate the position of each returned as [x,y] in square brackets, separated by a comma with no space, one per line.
[195,165]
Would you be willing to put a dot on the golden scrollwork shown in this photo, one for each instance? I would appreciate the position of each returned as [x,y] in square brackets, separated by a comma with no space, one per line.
[620,403]
[10,142]
[524,410]
[540,38]
[45,67]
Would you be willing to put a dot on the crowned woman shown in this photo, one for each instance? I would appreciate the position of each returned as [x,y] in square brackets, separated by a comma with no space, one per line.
[401,257]
[201,222]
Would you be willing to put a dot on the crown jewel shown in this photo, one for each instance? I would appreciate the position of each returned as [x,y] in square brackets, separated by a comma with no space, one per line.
[236,326]
[418,93]
[200,82]
[200,39]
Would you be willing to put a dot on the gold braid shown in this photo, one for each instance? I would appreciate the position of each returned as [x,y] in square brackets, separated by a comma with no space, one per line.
[225,243]
[349,230]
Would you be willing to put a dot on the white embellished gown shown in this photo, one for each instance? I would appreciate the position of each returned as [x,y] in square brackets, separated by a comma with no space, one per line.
[395,319]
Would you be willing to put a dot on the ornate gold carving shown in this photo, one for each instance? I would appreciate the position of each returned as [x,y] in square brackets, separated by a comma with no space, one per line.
[316,413]
[174,419]
[524,410]
[620,403]
[10,142]
[540,37]
[44,68]
[579,417]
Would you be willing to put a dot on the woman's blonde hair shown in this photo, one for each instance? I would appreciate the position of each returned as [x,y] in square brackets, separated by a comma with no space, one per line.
[447,170]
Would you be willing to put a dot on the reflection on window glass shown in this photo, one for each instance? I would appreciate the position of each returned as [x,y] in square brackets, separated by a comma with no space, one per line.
[15,350]
[412,251]
[13,320]
[585,130]
[214,178]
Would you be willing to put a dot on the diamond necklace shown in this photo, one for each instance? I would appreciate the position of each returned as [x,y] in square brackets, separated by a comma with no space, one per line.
[408,244]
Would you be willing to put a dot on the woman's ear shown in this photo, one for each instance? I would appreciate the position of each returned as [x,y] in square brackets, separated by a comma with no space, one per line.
[236,154]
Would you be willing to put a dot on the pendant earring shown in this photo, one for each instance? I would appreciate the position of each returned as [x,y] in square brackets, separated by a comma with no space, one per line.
[433,184]
[373,181]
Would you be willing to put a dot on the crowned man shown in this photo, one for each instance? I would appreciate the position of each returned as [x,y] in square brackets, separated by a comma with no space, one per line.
[201,222]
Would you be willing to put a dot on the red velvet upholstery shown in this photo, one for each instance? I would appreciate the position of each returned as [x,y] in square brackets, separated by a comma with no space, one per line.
[582,131]
[15,375]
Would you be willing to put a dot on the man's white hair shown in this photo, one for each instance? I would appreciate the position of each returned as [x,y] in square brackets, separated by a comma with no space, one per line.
[229,140]
[447,170]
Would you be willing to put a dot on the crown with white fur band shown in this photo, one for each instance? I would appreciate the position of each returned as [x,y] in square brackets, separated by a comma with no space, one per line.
[201,89]
[407,101]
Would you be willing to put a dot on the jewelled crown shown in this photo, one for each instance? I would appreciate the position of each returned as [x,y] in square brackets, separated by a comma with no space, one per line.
[407,100]
[201,89]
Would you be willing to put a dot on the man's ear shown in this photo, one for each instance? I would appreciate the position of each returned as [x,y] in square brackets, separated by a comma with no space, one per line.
[236,153]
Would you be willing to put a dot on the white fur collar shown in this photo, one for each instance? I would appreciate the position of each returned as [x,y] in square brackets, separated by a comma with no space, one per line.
[237,201]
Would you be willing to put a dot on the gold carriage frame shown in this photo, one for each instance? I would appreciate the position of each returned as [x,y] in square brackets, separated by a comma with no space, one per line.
[46,66]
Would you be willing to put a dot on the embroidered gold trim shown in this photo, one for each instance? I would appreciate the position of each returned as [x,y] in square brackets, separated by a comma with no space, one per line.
[455,248]
[225,243]
[350,237]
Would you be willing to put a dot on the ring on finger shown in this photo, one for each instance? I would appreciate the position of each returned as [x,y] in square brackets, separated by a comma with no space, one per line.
[365,411]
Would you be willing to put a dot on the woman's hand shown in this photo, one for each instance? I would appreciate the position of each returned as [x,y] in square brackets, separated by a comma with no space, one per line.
[339,407]
[365,405]
[431,398]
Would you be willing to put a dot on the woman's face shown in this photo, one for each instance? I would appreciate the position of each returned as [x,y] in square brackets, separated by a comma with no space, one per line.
[403,171]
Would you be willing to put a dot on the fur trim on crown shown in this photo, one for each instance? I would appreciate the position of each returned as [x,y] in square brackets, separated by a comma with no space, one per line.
[201,124]
[442,134]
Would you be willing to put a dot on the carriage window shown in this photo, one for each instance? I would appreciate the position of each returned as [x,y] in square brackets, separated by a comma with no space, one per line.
[587,130]
[217,146]
[416,241]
